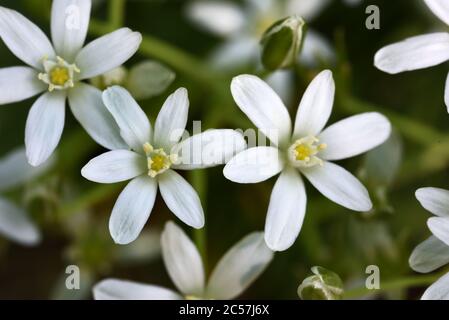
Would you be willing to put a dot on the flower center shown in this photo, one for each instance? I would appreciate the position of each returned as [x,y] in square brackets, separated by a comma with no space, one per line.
[158,161]
[303,153]
[58,74]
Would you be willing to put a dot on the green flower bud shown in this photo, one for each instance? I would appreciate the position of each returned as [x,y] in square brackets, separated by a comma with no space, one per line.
[281,43]
[323,285]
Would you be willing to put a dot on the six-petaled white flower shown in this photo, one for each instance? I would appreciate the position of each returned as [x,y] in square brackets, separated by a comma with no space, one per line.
[15,223]
[59,69]
[152,161]
[433,253]
[307,150]
[238,268]
[419,52]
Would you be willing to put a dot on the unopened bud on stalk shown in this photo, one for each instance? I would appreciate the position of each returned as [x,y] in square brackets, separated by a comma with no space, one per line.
[282,42]
[323,285]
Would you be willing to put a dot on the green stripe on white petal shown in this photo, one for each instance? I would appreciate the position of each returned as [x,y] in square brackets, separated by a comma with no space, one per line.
[115,166]
[354,135]
[339,185]
[88,108]
[439,290]
[181,199]
[316,106]
[15,169]
[115,289]
[254,165]
[440,8]
[440,228]
[19,83]
[414,53]
[16,225]
[44,126]
[25,40]
[69,23]
[286,211]
[182,261]
[172,120]
[239,267]
[435,200]
[208,149]
[263,107]
[135,128]
[220,17]
[132,209]
[107,53]
[429,255]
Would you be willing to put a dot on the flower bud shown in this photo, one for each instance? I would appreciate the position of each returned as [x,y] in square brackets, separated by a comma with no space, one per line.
[282,42]
[323,285]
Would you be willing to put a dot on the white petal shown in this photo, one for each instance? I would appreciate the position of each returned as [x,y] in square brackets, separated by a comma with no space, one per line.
[286,211]
[209,149]
[135,128]
[132,209]
[115,166]
[172,120]
[254,165]
[440,228]
[316,106]
[429,255]
[69,23]
[282,82]
[446,93]
[262,106]
[340,186]
[107,52]
[24,38]
[440,8]
[44,127]
[435,200]
[182,261]
[316,49]
[308,10]
[354,135]
[15,169]
[439,290]
[414,53]
[115,289]
[239,50]
[88,108]
[181,199]
[239,267]
[219,17]
[16,225]
[19,83]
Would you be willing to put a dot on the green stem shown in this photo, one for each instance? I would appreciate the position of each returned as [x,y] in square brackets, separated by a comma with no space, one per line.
[401,283]
[199,182]
[116,14]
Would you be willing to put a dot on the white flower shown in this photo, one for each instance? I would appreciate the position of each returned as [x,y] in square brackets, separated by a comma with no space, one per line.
[307,151]
[433,253]
[419,52]
[152,161]
[238,268]
[15,223]
[59,68]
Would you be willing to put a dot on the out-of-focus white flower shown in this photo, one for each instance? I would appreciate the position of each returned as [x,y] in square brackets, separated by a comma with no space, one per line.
[307,151]
[15,223]
[419,52]
[153,159]
[238,268]
[433,253]
[59,69]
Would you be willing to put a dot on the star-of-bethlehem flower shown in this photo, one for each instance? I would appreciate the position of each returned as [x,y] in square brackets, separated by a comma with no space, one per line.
[419,52]
[433,253]
[153,159]
[307,150]
[238,268]
[59,69]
